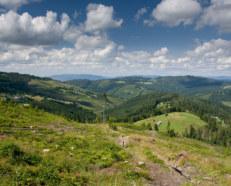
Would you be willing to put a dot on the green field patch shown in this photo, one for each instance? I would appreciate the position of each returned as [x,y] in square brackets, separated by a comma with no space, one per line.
[179,121]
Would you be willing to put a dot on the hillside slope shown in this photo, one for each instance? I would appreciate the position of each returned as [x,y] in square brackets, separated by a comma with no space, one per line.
[53,96]
[38,148]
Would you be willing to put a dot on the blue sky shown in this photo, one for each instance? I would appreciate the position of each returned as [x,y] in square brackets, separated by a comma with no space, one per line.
[149,37]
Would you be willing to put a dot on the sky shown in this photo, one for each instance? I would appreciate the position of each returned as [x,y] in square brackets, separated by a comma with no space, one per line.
[116,37]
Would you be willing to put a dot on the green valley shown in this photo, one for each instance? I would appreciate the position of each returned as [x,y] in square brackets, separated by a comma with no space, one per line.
[57,133]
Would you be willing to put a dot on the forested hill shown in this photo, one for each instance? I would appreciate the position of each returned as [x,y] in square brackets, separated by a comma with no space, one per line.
[56,97]
[178,84]
[144,106]
[85,100]
[128,87]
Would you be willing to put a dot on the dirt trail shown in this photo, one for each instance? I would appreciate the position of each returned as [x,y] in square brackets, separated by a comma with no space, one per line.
[160,175]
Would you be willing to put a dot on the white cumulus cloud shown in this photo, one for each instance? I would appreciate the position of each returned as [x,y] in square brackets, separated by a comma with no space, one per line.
[176,12]
[100,17]
[214,54]
[218,14]
[102,56]
[27,30]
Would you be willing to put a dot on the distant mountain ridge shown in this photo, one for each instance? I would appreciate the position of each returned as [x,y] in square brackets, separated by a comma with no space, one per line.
[128,87]
[223,78]
[68,77]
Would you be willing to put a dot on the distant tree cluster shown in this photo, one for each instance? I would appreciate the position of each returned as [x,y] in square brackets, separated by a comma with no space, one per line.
[70,111]
[214,133]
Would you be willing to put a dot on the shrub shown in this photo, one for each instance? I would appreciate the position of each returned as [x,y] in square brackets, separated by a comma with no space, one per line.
[32,159]
[156,127]
[171,133]
[48,176]
[16,155]
[149,126]
[13,152]
[112,126]
[25,177]
[43,176]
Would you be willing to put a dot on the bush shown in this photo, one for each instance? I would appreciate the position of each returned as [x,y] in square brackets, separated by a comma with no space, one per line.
[149,126]
[32,159]
[171,133]
[156,127]
[48,176]
[112,126]
[13,152]
[43,176]
[16,155]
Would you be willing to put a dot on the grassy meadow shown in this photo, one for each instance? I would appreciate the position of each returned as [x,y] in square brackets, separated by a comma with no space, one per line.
[179,121]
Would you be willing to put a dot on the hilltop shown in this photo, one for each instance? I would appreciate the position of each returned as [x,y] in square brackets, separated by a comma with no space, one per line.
[178,121]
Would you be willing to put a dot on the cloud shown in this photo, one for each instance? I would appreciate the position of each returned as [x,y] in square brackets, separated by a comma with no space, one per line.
[214,54]
[89,52]
[218,14]
[12,4]
[97,47]
[149,22]
[99,55]
[176,12]
[90,42]
[27,44]
[15,4]
[143,60]
[27,30]
[140,13]
[100,17]
[207,58]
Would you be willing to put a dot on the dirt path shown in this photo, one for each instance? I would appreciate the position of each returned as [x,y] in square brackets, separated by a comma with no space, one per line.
[160,175]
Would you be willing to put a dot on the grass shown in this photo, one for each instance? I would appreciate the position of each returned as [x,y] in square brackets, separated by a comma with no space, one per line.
[37,148]
[152,157]
[14,115]
[179,121]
